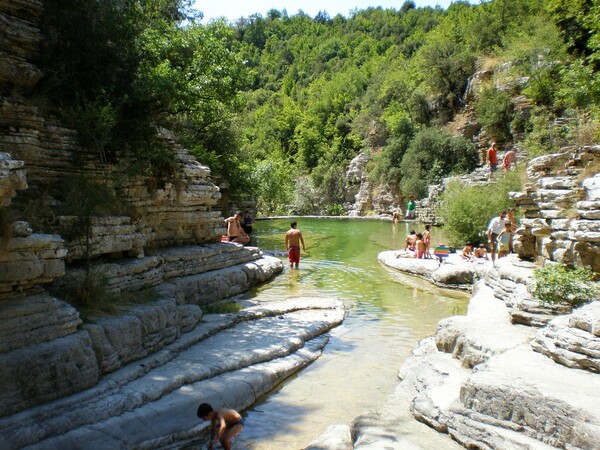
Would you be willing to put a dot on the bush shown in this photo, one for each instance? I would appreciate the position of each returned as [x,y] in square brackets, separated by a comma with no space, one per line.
[557,284]
[466,210]
[544,137]
[335,210]
[434,154]
[90,295]
[494,112]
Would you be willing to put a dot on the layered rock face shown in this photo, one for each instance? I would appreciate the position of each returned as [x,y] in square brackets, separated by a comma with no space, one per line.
[163,255]
[562,208]
[493,383]
[362,196]
[19,41]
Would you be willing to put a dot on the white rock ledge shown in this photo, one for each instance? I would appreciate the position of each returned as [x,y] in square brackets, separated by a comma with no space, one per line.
[228,360]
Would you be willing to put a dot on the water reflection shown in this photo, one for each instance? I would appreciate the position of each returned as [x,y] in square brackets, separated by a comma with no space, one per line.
[388,313]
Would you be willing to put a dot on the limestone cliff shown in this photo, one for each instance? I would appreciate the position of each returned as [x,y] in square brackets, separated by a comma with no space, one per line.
[165,244]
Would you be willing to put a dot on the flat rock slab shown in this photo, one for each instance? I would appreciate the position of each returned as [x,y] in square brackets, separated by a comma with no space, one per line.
[544,400]
[485,331]
[228,360]
[453,272]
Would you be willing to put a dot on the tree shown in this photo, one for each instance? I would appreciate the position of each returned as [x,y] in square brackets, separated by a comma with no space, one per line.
[466,210]
[431,155]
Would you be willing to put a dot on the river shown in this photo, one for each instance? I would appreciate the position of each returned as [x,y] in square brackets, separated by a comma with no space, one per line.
[387,314]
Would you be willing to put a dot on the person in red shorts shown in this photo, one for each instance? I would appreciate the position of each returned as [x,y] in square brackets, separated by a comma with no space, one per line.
[293,239]
[492,157]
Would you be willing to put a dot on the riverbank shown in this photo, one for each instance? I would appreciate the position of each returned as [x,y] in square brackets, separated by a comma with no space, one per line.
[509,374]
[228,360]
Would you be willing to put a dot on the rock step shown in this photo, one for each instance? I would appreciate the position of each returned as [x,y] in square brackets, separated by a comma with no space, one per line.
[524,390]
[392,426]
[229,359]
[573,340]
[44,363]
[485,331]
[454,272]
[174,265]
[28,320]
[517,400]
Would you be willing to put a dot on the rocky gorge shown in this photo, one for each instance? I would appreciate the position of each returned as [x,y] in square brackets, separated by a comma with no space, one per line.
[66,369]
[510,374]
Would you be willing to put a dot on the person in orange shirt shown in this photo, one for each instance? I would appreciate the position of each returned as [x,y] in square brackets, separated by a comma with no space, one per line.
[492,157]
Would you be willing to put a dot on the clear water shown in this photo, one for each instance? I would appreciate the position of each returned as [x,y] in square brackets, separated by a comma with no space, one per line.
[388,313]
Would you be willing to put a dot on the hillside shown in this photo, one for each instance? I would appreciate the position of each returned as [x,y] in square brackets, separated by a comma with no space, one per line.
[278,106]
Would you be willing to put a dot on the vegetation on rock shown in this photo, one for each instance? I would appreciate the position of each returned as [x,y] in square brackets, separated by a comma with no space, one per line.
[282,103]
[466,210]
[558,284]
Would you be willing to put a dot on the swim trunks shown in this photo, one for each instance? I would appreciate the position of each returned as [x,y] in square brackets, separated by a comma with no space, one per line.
[239,422]
[294,254]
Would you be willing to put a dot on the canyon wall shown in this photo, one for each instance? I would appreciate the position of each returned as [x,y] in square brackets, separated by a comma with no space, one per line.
[161,258]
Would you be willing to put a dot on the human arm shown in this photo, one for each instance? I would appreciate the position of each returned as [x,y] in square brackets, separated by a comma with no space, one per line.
[218,429]
[213,433]
[302,241]
[489,230]
[499,238]
[287,240]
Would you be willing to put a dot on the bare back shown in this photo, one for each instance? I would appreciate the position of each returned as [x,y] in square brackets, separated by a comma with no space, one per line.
[293,238]
[230,416]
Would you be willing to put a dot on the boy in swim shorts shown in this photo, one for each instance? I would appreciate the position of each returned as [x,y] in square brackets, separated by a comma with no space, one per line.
[224,424]
[293,239]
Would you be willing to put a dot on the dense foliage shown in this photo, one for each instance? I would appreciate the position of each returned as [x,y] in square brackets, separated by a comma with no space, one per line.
[120,71]
[557,284]
[279,105]
[466,210]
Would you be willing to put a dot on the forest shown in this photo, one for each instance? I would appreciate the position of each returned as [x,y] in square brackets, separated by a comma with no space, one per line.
[277,106]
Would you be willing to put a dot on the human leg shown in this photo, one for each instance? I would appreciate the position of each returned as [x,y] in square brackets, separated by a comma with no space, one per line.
[242,239]
[494,246]
[294,256]
[229,434]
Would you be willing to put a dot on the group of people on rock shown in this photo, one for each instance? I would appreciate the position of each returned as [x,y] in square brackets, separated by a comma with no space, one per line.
[417,245]
[499,234]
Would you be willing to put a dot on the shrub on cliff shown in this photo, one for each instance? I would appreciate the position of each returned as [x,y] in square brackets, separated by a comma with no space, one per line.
[559,284]
[466,210]
[432,155]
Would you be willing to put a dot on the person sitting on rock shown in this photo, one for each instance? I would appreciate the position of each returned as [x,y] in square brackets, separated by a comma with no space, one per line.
[481,252]
[467,252]
[235,232]
[224,424]
[410,243]
[418,252]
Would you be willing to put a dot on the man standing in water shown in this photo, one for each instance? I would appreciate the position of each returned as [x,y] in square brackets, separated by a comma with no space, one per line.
[293,239]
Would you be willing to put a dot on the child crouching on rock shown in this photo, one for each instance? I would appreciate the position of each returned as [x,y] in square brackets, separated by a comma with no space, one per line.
[224,424]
